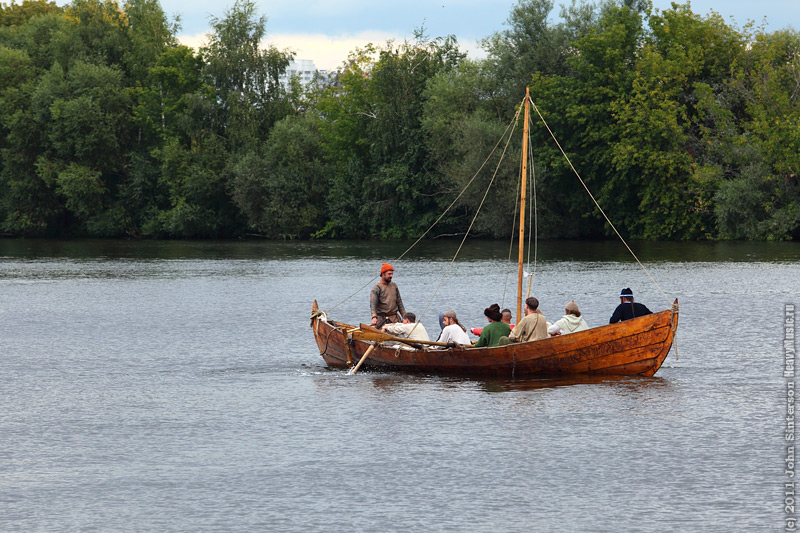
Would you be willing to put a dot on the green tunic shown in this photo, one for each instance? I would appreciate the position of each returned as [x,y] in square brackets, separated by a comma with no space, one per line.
[490,336]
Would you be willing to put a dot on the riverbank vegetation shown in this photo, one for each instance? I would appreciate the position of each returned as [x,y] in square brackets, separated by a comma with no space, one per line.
[682,125]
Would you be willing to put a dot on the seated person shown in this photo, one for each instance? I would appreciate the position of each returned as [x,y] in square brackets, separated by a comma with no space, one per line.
[532,327]
[453,330]
[505,317]
[570,322]
[627,309]
[409,328]
[490,336]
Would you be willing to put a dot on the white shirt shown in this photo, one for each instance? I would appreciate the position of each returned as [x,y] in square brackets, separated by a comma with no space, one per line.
[454,333]
[412,330]
[568,324]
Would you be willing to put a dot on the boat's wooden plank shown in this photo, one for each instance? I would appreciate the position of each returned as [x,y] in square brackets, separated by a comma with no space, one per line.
[634,347]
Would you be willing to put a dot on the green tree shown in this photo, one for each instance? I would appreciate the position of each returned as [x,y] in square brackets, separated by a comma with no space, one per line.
[532,44]
[150,34]
[383,182]
[580,107]
[282,191]
[659,148]
[461,130]
[754,139]
[85,116]
[245,77]
[16,15]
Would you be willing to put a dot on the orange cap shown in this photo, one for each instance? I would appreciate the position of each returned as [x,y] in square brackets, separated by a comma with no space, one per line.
[386,267]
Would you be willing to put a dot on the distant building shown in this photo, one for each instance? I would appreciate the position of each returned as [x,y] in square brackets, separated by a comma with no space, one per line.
[307,73]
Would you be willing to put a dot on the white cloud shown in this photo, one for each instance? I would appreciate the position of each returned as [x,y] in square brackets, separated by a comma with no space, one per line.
[329,52]
[194,41]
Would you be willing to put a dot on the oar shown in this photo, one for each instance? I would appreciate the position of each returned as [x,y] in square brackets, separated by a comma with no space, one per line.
[368,333]
[363,357]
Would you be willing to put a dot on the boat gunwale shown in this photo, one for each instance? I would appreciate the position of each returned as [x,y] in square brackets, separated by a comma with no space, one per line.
[518,355]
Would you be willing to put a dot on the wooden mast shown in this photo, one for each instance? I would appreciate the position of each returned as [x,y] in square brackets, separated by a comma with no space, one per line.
[523,187]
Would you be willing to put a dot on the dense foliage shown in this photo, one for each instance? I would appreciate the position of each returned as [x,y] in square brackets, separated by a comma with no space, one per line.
[682,126]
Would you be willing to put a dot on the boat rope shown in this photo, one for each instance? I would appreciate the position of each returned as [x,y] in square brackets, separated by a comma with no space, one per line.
[674,327]
[325,350]
[595,201]
[513,234]
[534,217]
[477,212]
[512,126]
[367,284]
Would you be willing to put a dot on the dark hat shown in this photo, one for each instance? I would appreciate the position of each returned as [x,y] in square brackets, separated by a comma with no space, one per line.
[450,314]
[626,293]
[493,312]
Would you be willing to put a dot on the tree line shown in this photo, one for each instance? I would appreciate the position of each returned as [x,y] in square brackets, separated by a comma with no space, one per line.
[683,127]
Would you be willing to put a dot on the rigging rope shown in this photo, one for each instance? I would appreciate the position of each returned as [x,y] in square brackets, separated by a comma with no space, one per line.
[595,201]
[535,232]
[513,233]
[533,211]
[469,183]
[466,234]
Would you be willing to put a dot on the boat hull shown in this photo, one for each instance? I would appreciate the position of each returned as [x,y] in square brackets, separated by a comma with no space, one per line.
[633,347]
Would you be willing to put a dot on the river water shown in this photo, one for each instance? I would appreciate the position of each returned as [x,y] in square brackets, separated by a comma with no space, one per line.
[151,386]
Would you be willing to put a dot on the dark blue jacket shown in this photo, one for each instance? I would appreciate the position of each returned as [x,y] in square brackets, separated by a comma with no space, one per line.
[628,310]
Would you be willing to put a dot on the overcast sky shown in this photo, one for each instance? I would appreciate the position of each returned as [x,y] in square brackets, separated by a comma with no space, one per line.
[326,30]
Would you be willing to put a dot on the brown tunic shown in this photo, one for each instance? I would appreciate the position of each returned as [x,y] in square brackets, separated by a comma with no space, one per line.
[385,302]
[532,327]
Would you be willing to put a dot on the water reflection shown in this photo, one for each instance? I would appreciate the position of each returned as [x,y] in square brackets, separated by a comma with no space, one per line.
[638,387]
[438,249]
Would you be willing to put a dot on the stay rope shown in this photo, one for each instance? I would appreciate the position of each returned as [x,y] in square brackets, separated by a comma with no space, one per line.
[512,127]
[513,233]
[595,201]
[477,212]
[533,214]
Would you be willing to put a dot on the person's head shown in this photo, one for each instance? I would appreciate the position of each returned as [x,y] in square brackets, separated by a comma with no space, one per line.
[387,271]
[531,305]
[409,317]
[493,313]
[505,316]
[572,308]
[626,295]
[449,317]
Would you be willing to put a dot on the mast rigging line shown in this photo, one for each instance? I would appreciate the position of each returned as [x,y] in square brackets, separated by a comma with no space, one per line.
[477,212]
[513,232]
[533,212]
[594,200]
[512,126]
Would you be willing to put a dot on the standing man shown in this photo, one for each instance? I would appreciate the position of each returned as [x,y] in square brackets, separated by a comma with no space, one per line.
[627,309]
[384,300]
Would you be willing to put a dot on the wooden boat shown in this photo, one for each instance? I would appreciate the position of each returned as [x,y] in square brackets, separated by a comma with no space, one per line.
[633,347]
